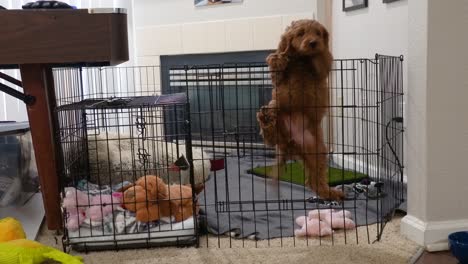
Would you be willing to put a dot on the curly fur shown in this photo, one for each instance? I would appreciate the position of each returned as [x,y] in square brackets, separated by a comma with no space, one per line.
[292,120]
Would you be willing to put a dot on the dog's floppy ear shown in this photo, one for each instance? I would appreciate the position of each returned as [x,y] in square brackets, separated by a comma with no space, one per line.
[326,36]
[284,47]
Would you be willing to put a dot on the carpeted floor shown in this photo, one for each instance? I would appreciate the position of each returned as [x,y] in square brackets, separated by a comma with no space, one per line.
[392,249]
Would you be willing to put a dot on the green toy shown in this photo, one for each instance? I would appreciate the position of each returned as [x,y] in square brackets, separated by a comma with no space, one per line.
[23,251]
[18,250]
[295,173]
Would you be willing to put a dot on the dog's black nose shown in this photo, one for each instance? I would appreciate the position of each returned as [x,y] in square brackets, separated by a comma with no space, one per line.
[313,44]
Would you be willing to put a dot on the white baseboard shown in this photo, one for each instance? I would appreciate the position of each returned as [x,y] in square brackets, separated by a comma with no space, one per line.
[432,235]
[413,228]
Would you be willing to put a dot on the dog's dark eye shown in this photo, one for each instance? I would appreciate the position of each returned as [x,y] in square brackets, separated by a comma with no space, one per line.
[319,33]
[301,33]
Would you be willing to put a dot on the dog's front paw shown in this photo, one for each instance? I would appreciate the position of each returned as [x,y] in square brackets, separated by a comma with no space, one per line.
[267,115]
[266,118]
[277,62]
[333,195]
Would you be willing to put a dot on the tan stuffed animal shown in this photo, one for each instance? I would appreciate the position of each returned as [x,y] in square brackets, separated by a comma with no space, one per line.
[180,197]
[152,199]
[142,198]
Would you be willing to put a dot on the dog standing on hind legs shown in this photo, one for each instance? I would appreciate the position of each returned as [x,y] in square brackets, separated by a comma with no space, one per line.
[292,119]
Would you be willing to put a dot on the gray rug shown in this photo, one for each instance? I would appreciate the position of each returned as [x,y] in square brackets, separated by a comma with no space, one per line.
[235,201]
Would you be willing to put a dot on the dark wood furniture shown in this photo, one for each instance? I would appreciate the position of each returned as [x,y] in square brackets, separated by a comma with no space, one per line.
[35,41]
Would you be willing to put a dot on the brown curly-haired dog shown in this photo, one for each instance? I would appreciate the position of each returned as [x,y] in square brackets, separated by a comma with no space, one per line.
[292,120]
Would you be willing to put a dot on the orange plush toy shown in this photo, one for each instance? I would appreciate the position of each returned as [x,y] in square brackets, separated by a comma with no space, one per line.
[152,199]
[142,198]
[180,197]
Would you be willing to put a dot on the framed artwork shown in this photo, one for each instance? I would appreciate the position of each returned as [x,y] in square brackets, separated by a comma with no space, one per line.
[349,5]
[390,1]
[199,3]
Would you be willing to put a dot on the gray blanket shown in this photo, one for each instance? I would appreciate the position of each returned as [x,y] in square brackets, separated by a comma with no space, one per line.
[235,201]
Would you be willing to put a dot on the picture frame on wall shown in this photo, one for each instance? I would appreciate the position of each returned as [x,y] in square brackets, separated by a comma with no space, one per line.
[390,1]
[350,5]
[199,3]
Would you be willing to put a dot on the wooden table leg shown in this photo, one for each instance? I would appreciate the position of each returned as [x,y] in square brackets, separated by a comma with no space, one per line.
[38,82]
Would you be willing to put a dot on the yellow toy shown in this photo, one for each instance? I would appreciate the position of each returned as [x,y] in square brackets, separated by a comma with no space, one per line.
[11,229]
[16,249]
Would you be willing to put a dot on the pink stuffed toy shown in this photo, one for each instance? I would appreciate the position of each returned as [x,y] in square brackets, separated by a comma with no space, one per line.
[103,205]
[320,214]
[340,219]
[322,222]
[75,202]
[312,227]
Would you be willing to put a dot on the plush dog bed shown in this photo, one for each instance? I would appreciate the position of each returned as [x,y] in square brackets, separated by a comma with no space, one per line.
[114,159]
[248,205]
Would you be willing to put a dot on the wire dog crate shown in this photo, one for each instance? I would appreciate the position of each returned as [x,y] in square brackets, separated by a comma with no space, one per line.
[108,143]
[194,126]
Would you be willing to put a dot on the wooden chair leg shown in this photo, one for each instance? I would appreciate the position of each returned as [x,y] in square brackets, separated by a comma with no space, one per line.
[38,82]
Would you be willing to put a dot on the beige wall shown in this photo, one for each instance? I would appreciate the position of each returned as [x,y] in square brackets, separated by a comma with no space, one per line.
[447,126]
[169,12]
[176,27]
[437,130]
[252,25]
[380,28]
[416,142]
[257,33]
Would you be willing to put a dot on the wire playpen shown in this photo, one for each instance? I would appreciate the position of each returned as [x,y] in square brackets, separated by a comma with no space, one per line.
[173,155]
